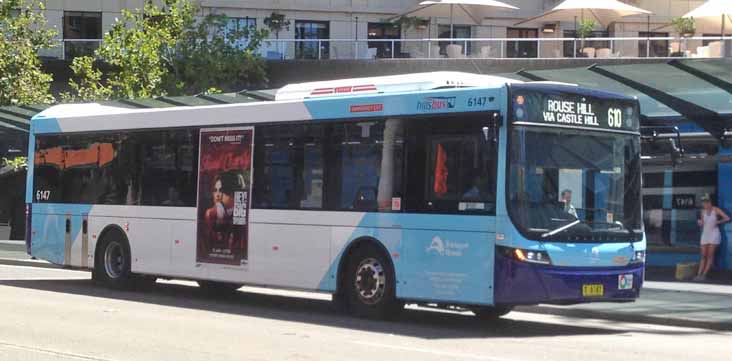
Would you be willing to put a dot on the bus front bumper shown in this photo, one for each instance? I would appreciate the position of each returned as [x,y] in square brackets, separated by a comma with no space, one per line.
[520,283]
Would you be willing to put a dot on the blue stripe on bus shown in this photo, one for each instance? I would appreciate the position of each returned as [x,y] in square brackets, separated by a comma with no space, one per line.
[42,125]
[435,264]
[48,235]
[428,102]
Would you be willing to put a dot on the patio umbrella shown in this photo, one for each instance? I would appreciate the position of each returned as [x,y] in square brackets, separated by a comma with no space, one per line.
[603,11]
[462,11]
[714,13]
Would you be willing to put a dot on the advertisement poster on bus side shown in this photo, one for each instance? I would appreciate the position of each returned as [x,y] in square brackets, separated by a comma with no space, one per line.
[224,193]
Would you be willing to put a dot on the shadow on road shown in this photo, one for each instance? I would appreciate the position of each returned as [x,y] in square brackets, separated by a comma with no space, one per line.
[414,323]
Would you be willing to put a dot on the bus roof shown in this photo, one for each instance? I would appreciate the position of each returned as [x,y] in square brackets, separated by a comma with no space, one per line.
[390,84]
[359,97]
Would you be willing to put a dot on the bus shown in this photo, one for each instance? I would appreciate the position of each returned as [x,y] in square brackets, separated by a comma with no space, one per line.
[444,189]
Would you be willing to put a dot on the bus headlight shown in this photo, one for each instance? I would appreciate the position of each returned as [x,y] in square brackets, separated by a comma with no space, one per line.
[531,256]
[638,257]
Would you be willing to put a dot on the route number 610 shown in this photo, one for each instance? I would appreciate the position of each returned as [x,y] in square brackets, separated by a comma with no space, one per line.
[615,118]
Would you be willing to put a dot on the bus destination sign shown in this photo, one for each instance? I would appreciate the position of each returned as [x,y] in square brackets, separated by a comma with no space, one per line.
[575,110]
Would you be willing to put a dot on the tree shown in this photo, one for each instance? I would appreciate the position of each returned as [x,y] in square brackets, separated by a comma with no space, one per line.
[23,33]
[136,49]
[212,56]
[276,22]
[163,50]
[685,27]
[585,28]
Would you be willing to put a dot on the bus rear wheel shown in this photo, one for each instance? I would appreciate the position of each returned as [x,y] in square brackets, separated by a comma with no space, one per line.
[218,288]
[491,313]
[370,284]
[113,262]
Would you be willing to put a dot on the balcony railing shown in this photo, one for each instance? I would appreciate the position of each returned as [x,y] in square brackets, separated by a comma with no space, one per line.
[496,48]
[68,49]
[464,48]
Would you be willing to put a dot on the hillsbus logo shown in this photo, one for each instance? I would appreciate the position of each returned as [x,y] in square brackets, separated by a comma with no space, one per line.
[436,103]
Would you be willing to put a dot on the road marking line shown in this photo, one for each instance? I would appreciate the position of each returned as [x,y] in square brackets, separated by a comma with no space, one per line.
[51,352]
[433,352]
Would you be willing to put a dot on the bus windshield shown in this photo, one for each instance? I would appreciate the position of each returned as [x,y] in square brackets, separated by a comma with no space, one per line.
[575,185]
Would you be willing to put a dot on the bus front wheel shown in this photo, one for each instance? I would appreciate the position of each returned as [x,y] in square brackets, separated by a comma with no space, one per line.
[370,284]
[113,262]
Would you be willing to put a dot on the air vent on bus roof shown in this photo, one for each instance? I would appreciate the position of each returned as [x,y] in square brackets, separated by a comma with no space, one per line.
[388,84]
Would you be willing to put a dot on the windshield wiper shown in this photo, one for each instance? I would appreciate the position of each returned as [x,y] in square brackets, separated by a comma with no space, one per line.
[561,229]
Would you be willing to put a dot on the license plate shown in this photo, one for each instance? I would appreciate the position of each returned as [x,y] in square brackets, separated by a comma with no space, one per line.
[593,290]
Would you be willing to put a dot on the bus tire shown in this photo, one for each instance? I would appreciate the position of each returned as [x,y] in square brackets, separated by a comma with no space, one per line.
[218,288]
[369,284]
[491,313]
[112,262]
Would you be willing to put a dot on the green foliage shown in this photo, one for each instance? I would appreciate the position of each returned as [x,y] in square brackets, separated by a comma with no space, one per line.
[22,34]
[586,27]
[684,26]
[408,22]
[18,163]
[210,56]
[276,22]
[87,82]
[163,50]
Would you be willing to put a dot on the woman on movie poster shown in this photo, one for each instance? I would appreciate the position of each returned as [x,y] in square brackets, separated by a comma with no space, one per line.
[223,196]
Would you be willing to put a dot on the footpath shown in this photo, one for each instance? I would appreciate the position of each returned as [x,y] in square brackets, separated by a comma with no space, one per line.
[663,300]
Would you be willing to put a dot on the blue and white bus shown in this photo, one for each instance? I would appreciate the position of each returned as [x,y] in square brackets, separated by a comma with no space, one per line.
[444,189]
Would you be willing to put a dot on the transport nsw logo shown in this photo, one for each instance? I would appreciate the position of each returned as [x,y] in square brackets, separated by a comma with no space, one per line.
[436,103]
[446,248]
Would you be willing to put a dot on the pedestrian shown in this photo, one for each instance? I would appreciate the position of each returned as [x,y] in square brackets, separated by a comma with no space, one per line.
[710,219]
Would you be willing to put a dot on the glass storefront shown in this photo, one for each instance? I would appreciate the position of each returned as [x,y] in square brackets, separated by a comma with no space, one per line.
[671,202]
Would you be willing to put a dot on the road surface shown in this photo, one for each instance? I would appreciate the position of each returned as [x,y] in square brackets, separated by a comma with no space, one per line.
[50,314]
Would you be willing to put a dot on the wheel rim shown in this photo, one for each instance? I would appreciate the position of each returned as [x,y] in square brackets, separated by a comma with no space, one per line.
[370,281]
[114,258]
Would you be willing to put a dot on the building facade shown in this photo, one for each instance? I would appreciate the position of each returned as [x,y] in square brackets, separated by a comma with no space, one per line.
[350,24]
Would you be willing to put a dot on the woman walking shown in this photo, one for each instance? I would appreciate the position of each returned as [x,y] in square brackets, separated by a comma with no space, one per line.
[710,219]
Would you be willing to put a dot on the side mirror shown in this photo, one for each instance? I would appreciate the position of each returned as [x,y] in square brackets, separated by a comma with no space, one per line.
[677,152]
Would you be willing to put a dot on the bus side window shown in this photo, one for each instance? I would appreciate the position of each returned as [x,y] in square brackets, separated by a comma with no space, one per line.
[458,166]
[369,158]
[289,167]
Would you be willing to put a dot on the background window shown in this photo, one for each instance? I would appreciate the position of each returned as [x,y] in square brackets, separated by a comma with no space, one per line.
[312,30]
[385,31]
[238,30]
[83,26]
[658,48]
[459,32]
[522,49]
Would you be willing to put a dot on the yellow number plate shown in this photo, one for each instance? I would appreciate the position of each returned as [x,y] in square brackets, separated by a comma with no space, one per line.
[593,290]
